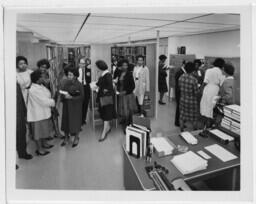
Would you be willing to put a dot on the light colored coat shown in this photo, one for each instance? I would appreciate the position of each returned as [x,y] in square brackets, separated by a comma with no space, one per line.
[214,79]
[142,84]
[39,103]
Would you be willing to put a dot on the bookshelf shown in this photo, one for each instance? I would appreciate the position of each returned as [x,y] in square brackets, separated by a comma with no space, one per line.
[55,56]
[128,52]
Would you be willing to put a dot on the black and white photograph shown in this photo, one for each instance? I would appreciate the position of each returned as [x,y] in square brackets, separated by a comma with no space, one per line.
[129,101]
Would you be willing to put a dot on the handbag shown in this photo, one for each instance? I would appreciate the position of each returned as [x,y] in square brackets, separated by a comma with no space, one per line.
[106,100]
[147,102]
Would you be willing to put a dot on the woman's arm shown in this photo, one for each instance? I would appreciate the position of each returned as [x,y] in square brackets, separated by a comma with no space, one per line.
[81,95]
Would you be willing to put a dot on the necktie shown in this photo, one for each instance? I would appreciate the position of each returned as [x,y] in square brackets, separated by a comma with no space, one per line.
[83,76]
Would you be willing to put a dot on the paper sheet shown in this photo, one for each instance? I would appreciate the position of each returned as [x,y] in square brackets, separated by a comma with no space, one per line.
[93,85]
[162,145]
[223,154]
[189,138]
[222,135]
[189,162]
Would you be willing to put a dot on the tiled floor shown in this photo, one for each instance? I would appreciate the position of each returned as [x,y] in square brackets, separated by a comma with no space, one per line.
[91,165]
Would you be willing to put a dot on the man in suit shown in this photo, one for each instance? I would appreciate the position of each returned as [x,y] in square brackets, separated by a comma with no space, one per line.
[85,79]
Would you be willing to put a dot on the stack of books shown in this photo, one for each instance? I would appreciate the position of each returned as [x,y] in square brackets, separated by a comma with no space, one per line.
[231,120]
[189,162]
[137,138]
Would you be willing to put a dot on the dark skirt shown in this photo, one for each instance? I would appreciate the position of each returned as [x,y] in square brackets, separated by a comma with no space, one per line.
[127,105]
[107,112]
[71,116]
[162,85]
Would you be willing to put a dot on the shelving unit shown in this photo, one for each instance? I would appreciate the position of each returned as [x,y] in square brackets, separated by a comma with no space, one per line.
[128,52]
[55,57]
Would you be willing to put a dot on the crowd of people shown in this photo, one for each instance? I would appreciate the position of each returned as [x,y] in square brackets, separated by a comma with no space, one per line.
[38,115]
[198,91]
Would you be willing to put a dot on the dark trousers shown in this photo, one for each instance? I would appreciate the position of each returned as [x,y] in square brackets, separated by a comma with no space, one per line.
[21,143]
[87,95]
[177,114]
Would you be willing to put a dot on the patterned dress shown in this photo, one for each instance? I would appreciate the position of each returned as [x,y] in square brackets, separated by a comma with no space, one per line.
[189,109]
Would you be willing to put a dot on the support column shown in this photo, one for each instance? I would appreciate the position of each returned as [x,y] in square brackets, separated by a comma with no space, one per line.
[157,71]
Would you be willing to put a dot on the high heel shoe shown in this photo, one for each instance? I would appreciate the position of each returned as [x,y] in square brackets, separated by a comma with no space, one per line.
[106,135]
[48,147]
[41,154]
[75,144]
[63,143]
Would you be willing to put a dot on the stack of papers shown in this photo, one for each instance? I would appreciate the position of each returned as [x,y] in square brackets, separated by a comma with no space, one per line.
[189,138]
[223,154]
[189,162]
[162,146]
[232,111]
[231,120]
[222,135]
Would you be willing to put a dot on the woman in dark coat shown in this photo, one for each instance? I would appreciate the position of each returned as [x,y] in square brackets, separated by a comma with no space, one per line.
[189,90]
[72,107]
[105,98]
[125,86]
[162,84]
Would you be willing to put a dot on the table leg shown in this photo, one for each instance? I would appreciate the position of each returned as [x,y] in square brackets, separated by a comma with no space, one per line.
[234,177]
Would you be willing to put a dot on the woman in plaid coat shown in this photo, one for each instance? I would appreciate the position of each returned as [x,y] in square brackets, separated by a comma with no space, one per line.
[189,109]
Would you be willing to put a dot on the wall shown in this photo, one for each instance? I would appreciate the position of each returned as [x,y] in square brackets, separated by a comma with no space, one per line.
[102,52]
[219,44]
[151,64]
[28,47]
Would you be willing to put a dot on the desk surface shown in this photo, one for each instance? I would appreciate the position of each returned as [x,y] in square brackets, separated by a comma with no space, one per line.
[215,165]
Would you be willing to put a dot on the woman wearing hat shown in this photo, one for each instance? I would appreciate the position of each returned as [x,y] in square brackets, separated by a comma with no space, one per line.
[105,98]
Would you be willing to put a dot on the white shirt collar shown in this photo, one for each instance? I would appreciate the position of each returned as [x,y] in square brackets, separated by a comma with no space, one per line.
[104,72]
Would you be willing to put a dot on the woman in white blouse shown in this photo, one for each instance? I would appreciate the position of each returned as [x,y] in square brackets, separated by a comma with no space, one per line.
[212,82]
[142,85]
[39,111]
[23,75]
